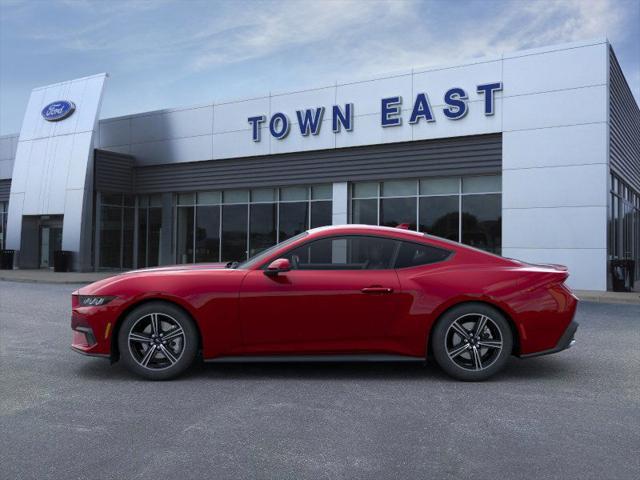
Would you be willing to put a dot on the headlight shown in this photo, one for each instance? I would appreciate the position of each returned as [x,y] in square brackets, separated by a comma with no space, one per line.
[93,300]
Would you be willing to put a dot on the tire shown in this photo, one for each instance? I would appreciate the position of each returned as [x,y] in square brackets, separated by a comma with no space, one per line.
[158,341]
[465,353]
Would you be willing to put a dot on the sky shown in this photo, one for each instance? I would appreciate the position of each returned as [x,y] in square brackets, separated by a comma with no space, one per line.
[172,53]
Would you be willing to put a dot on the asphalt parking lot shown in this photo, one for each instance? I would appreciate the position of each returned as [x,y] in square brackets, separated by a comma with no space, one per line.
[65,416]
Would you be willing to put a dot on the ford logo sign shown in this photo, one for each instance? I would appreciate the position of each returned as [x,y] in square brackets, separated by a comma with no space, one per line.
[56,111]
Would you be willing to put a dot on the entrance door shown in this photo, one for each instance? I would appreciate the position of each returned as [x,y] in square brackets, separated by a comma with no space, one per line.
[44,247]
[50,241]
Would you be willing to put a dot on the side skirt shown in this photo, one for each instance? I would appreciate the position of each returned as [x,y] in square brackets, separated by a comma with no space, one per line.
[314,358]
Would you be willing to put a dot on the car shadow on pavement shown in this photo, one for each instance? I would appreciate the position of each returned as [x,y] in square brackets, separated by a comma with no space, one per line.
[516,369]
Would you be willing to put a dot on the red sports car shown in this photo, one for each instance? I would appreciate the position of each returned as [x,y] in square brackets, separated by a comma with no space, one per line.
[351,292]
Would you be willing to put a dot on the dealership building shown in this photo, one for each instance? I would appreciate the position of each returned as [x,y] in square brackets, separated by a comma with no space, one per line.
[533,155]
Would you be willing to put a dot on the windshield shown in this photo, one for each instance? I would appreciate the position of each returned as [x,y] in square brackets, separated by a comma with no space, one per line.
[256,259]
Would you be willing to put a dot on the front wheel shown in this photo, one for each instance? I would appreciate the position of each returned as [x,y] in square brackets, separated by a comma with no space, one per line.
[472,342]
[158,341]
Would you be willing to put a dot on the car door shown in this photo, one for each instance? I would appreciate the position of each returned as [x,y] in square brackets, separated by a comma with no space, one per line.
[341,296]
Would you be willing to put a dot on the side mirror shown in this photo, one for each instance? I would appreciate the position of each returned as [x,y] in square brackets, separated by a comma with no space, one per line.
[278,266]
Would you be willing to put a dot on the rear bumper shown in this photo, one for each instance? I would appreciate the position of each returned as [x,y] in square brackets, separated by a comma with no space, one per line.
[566,341]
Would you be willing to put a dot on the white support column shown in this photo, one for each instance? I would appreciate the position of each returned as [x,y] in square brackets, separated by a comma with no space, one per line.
[340,212]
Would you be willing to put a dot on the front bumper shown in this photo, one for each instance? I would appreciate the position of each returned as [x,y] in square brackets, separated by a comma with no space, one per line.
[566,341]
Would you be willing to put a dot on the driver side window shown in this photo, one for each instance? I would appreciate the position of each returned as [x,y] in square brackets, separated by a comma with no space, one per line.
[344,253]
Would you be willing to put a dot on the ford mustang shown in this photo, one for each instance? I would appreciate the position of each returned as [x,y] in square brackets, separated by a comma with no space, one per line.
[351,292]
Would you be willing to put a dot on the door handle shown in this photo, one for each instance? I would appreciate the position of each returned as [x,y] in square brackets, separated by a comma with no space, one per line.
[377,289]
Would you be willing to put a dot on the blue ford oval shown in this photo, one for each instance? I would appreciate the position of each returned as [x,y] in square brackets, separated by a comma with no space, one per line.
[59,110]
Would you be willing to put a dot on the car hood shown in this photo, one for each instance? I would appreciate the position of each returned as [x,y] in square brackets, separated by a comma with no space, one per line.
[96,287]
[177,268]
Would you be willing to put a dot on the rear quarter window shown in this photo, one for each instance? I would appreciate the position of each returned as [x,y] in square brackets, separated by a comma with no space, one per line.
[416,254]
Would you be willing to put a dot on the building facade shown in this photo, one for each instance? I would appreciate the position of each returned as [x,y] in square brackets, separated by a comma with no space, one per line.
[533,155]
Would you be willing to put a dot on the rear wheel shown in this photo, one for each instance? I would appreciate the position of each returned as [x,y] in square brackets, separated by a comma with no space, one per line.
[472,342]
[158,341]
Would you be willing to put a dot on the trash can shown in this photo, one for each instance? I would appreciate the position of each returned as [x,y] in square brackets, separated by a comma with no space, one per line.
[62,261]
[6,259]
[622,275]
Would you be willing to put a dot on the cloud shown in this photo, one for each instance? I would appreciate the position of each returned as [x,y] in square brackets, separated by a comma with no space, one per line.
[172,51]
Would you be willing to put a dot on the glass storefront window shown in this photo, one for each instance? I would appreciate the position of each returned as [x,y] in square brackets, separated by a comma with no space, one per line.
[398,211]
[116,231]
[235,196]
[294,219]
[463,209]
[365,190]
[263,195]
[262,227]
[481,221]
[365,212]
[149,230]
[321,214]
[234,232]
[440,216]
[484,184]
[233,224]
[398,188]
[289,194]
[439,186]
[185,234]
[321,192]
[209,198]
[207,233]
[624,234]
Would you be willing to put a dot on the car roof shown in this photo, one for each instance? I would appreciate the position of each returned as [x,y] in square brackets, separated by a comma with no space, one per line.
[357,226]
[366,228]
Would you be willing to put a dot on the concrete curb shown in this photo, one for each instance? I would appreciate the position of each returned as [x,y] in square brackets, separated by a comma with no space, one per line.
[55,282]
[608,297]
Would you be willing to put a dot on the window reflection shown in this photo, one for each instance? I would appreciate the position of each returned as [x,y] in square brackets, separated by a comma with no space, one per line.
[398,211]
[207,233]
[436,204]
[481,222]
[262,227]
[440,216]
[234,233]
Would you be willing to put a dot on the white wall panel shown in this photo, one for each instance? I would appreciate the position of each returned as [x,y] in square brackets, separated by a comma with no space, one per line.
[34,165]
[578,185]
[554,109]
[115,132]
[6,169]
[231,117]
[8,145]
[14,219]
[72,221]
[573,145]
[366,96]
[367,131]
[295,142]
[76,173]
[189,149]
[230,144]
[475,122]
[146,128]
[559,227]
[190,122]
[435,83]
[59,170]
[289,103]
[562,69]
